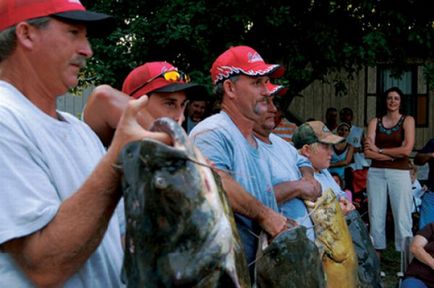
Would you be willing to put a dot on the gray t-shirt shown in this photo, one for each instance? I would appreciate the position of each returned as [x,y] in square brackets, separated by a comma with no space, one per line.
[43,162]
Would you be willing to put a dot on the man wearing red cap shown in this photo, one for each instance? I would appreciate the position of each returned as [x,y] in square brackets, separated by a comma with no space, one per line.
[292,174]
[240,76]
[167,88]
[59,187]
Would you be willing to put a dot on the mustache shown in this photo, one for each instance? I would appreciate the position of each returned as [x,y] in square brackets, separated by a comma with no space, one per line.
[80,61]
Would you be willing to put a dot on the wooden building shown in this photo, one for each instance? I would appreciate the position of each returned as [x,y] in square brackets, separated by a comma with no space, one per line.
[363,95]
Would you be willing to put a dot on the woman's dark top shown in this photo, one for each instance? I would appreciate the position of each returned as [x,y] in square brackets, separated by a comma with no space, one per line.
[390,138]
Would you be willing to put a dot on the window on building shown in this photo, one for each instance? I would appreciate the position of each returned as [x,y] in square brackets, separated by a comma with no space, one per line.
[411,82]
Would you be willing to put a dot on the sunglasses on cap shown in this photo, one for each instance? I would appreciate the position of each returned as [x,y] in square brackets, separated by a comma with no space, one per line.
[170,76]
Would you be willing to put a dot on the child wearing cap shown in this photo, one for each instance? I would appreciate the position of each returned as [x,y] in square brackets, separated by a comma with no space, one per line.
[315,141]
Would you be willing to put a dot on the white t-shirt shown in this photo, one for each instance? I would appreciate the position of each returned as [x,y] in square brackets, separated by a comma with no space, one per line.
[355,138]
[43,162]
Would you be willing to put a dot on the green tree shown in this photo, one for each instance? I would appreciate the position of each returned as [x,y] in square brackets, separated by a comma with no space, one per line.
[310,38]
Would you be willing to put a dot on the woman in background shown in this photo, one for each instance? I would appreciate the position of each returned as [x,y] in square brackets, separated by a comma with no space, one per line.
[389,143]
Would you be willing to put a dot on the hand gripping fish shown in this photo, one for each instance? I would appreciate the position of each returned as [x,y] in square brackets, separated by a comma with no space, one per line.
[180,231]
[334,241]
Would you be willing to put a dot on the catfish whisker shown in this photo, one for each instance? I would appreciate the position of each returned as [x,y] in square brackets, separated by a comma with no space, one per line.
[253,233]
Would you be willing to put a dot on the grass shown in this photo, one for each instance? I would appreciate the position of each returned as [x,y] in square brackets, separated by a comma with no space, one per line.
[390,264]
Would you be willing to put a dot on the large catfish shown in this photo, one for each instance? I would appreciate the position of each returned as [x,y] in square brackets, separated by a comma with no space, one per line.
[369,264]
[180,231]
[291,260]
[334,241]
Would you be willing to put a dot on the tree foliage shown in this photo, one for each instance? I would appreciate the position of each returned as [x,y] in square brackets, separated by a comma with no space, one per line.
[310,38]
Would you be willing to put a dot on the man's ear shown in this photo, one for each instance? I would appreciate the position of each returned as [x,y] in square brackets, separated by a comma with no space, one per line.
[305,150]
[229,88]
[25,34]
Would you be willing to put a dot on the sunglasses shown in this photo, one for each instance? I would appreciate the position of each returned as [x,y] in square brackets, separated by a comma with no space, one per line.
[171,76]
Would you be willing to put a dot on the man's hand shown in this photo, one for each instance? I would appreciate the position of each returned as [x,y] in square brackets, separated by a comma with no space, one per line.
[310,188]
[275,223]
[130,126]
[307,188]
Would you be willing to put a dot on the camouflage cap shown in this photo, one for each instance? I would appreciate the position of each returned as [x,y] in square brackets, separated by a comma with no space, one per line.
[313,132]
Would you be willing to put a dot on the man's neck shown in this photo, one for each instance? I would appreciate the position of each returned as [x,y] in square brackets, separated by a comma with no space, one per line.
[244,124]
[262,136]
[20,75]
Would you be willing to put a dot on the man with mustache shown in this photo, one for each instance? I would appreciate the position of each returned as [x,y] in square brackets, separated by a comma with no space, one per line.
[240,77]
[59,185]
[291,173]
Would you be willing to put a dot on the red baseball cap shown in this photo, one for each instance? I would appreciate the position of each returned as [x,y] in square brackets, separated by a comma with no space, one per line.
[242,60]
[277,90]
[146,79]
[14,11]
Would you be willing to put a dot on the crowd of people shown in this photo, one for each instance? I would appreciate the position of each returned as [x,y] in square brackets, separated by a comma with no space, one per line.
[62,211]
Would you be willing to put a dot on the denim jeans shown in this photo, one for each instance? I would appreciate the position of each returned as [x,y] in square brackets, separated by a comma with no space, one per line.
[426,209]
[411,282]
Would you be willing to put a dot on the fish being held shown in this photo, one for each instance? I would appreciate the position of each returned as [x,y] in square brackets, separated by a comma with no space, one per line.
[334,241]
[180,230]
[369,264]
[291,260]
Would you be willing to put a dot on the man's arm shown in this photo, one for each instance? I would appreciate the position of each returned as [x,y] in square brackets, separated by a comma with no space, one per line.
[417,248]
[103,111]
[245,204]
[307,188]
[53,254]
[423,158]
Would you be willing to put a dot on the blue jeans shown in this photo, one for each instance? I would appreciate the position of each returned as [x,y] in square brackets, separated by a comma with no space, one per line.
[426,209]
[411,282]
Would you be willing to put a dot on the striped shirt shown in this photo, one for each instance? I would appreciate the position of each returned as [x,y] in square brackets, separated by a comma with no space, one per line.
[285,129]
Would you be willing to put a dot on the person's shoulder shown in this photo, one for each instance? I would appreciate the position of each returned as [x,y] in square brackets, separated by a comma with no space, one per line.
[408,119]
[212,124]
[285,122]
[276,139]
[71,119]
[373,121]
[326,173]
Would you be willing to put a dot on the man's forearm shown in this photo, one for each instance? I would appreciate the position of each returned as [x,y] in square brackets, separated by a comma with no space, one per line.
[422,158]
[307,171]
[286,191]
[240,200]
